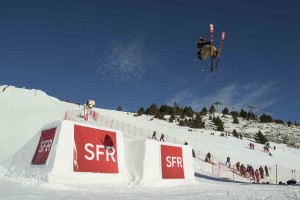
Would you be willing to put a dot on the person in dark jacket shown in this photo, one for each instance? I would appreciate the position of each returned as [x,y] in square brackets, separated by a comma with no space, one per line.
[228,161]
[154,135]
[266,170]
[203,49]
[261,170]
[208,156]
[162,137]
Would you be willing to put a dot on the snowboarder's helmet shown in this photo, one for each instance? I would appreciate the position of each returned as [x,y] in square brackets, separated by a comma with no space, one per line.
[202,38]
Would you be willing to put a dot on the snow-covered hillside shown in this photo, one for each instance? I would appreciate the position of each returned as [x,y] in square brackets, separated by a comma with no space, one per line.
[24,112]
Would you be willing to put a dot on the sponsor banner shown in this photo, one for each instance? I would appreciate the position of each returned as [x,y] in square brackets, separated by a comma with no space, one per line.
[172,162]
[94,150]
[44,147]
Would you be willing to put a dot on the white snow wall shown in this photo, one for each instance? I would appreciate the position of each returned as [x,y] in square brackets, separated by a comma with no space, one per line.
[146,168]
[138,161]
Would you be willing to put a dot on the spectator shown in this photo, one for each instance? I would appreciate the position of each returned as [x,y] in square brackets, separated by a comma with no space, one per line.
[237,166]
[162,137]
[257,175]
[243,170]
[154,135]
[266,170]
[261,170]
[251,171]
[208,156]
[185,143]
[228,161]
[193,153]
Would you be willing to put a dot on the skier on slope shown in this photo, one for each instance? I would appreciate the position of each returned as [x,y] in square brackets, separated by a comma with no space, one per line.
[203,49]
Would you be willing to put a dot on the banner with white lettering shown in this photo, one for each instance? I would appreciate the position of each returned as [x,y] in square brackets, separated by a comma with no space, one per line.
[43,149]
[94,150]
[172,162]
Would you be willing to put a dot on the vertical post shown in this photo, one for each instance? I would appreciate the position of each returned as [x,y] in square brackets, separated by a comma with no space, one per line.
[276,173]
[219,169]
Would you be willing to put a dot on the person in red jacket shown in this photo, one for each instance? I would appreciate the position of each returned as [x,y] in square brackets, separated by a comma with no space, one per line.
[257,175]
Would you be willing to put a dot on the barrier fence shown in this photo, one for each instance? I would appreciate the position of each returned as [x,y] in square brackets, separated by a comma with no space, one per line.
[216,167]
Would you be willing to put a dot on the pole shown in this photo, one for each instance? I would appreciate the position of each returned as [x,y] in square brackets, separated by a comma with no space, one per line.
[276,173]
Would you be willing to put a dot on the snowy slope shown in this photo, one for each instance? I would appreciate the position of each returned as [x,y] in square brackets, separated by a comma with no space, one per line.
[25,111]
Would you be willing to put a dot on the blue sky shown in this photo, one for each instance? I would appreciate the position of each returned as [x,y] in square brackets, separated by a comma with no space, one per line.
[134,53]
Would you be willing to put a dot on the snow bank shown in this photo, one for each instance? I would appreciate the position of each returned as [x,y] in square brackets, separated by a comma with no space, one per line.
[68,152]
[145,160]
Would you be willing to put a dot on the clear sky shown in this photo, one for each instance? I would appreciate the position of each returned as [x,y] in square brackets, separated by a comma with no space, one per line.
[135,53]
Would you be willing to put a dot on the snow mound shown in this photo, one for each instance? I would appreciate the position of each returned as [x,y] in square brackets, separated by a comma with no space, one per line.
[68,153]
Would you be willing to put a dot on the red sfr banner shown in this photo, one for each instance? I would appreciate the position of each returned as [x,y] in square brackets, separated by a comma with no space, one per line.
[43,149]
[94,150]
[172,162]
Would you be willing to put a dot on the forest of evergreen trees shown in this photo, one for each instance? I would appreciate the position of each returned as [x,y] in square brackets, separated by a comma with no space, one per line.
[186,116]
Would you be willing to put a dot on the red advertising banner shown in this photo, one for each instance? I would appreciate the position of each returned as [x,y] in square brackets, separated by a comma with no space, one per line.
[95,150]
[172,162]
[44,147]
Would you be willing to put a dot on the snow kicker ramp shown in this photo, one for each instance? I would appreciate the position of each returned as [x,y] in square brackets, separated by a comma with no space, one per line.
[71,152]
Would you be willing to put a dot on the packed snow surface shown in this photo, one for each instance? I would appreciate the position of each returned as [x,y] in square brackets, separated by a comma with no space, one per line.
[24,112]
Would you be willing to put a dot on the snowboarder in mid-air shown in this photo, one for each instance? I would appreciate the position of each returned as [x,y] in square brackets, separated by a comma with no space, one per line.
[207,50]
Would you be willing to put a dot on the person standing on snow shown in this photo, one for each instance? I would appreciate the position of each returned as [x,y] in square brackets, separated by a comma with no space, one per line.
[208,156]
[228,161]
[154,135]
[261,170]
[162,137]
[257,175]
[237,166]
[266,170]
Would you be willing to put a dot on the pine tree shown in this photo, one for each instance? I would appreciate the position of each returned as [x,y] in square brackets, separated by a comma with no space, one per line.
[172,118]
[212,109]
[141,111]
[188,111]
[178,110]
[225,111]
[234,113]
[265,118]
[243,114]
[119,108]
[197,122]
[235,134]
[218,122]
[166,110]
[152,110]
[260,138]
[203,111]
[235,120]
